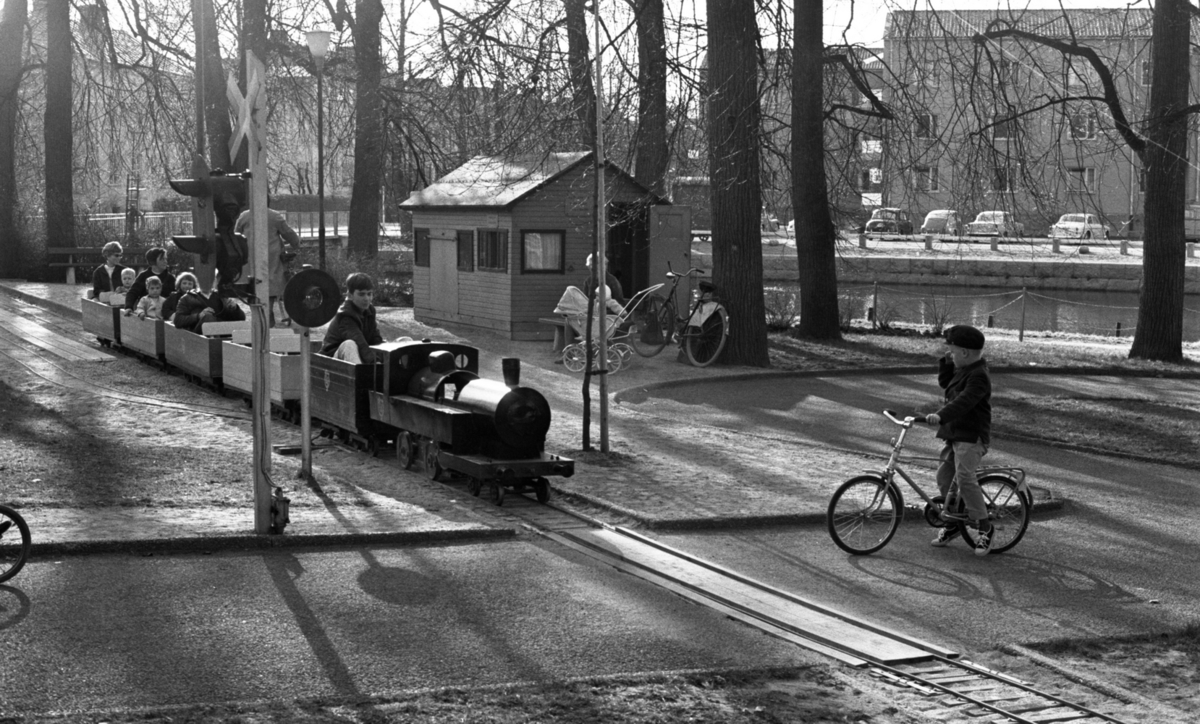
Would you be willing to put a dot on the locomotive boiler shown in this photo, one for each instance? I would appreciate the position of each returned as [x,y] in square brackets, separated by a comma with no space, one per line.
[428,399]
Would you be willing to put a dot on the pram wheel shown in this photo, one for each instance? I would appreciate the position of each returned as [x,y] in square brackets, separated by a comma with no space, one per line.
[574,357]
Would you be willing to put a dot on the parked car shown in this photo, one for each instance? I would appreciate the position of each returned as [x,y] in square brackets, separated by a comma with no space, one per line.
[889,221]
[1078,226]
[995,223]
[942,221]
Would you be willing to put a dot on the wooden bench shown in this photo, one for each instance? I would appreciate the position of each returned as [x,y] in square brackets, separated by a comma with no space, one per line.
[564,333]
[82,256]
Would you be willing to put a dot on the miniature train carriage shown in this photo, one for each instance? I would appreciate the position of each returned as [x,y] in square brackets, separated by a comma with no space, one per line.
[102,320]
[199,355]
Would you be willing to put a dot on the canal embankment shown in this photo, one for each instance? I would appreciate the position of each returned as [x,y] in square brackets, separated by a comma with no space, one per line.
[1030,264]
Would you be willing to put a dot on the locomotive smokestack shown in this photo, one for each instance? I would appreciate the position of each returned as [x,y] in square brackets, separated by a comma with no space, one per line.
[512,371]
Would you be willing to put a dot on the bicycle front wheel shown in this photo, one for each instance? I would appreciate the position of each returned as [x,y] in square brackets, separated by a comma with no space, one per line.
[14,542]
[705,342]
[864,514]
[652,326]
[1008,511]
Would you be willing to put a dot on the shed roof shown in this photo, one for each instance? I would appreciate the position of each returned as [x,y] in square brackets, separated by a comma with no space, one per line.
[500,182]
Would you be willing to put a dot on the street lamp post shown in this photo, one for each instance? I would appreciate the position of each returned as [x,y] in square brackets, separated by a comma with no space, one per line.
[318,45]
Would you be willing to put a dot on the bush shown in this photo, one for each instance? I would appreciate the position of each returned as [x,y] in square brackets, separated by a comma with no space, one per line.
[783,308]
[391,290]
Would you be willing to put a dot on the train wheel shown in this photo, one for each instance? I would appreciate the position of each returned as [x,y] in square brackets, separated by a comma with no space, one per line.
[373,447]
[499,494]
[406,451]
[474,485]
[432,467]
[541,488]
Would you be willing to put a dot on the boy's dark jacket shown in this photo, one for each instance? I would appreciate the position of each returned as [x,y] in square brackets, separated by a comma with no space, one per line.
[967,414]
[192,304]
[350,323]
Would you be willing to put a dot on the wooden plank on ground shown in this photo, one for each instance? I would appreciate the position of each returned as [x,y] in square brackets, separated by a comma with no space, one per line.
[53,342]
[811,622]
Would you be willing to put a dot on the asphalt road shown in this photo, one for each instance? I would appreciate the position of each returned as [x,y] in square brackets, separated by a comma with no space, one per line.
[1116,559]
[115,631]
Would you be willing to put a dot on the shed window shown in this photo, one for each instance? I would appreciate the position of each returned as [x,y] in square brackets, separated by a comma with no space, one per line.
[466,249]
[493,249]
[542,251]
[421,247]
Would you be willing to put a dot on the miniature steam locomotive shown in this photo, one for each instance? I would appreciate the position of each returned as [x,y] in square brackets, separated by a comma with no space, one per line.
[428,399]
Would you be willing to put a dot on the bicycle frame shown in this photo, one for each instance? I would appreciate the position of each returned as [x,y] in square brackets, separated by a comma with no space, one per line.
[893,468]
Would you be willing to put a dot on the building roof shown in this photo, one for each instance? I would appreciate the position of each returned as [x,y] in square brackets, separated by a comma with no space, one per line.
[497,182]
[1082,23]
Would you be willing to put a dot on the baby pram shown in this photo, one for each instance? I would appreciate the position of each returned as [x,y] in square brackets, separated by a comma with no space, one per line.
[574,305]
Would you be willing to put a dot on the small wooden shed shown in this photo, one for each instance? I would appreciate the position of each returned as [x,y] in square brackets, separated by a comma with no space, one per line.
[498,240]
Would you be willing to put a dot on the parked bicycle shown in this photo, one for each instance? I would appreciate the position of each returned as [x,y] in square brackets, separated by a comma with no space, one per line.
[865,511]
[701,333]
[14,542]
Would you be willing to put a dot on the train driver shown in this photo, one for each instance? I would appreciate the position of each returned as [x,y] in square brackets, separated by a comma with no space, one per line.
[353,330]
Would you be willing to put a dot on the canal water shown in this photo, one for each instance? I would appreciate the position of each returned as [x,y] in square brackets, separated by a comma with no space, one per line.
[1109,314]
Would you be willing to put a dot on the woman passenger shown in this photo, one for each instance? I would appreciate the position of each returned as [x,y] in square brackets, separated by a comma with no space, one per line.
[107,276]
[184,283]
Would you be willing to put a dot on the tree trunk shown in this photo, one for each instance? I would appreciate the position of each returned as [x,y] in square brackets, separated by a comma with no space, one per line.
[653,153]
[816,236]
[12,33]
[733,141]
[254,39]
[583,91]
[216,105]
[1159,333]
[363,226]
[60,195]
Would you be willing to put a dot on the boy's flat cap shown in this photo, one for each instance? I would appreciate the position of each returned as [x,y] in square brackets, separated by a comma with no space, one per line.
[965,336]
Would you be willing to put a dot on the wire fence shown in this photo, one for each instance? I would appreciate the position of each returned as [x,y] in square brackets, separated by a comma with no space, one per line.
[1104,314]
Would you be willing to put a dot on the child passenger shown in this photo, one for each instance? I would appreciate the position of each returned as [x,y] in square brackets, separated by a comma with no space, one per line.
[150,306]
[107,276]
[184,283]
[128,275]
[353,329]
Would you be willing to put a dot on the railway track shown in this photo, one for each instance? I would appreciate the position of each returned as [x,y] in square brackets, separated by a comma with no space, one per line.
[952,689]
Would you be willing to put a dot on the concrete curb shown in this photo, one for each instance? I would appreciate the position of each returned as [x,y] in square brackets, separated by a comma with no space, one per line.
[253,542]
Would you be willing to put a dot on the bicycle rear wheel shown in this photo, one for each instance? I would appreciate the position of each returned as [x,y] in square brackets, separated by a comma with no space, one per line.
[1008,511]
[14,542]
[652,326]
[864,514]
[704,343]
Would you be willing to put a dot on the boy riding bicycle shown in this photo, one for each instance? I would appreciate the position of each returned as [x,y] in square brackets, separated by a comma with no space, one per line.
[964,422]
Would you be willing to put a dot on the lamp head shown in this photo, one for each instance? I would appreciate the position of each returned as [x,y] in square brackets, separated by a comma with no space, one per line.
[318,45]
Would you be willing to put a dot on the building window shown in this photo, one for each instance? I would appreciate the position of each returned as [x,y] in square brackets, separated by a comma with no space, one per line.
[1003,179]
[1084,178]
[542,251]
[926,126]
[493,249]
[1082,126]
[872,146]
[1006,72]
[927,178]
[420,247]
[870,180]
[1004,127]
[1080,75]
[466,247]
[1147,73]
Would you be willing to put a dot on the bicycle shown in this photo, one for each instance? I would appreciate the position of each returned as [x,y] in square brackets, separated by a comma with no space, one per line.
[701,333]
[14,545]
[865,511]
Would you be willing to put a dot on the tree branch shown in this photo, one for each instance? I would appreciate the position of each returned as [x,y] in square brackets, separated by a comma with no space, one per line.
[1110,98]
[880,110]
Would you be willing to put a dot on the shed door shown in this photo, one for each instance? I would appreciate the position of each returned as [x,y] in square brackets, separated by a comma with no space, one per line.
[670,240]
[443,275]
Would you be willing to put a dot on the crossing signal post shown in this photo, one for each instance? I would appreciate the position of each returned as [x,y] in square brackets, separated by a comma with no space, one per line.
[218,198]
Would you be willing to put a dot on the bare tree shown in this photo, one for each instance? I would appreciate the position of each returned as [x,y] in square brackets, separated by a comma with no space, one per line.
[1163,152]
[368,130]
[733,141]
[653,149]
[60,195]
[12,34]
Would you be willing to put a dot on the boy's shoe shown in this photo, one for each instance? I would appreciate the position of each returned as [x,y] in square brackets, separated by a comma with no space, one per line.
[983,541]
[945,535]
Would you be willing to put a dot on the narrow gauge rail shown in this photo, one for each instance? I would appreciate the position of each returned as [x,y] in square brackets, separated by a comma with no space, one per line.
[958,690]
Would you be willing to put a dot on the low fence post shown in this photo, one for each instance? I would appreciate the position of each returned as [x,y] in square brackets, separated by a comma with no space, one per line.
[1191,250]
[862,241]
[1124,247]
[874,304]
[1054,246]
[1021,331]
[995,243]
[929,242]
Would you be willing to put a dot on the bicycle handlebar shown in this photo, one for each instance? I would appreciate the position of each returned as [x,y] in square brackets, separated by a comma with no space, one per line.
[908,419]
[690,272]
